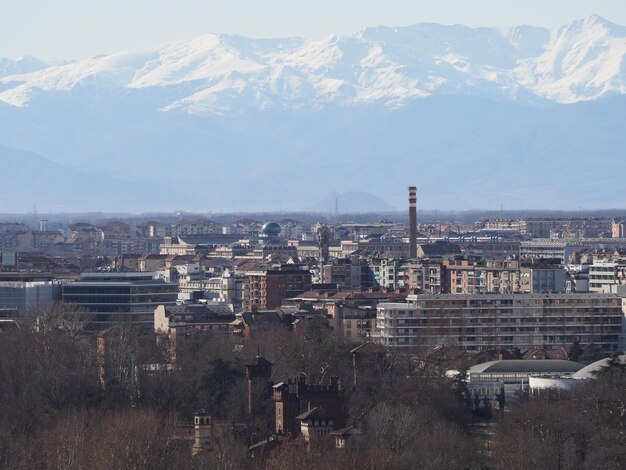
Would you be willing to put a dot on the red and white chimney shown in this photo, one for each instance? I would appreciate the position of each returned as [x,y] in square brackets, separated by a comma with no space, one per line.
[412,222]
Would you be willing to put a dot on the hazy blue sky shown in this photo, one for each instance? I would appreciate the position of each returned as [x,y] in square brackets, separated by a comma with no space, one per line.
[83,28]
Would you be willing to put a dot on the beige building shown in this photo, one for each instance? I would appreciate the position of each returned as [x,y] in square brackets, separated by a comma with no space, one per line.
[502,276]
[604,274]
[618,228]
[461,276]
[195,244]
[424,275]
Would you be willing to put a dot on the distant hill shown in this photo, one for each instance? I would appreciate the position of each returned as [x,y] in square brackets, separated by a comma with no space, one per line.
[27,179]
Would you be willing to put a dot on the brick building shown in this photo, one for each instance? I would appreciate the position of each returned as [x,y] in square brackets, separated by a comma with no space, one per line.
[267,288]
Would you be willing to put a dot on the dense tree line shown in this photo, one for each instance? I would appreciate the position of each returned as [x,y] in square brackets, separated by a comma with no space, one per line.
[581,429]
[57,413]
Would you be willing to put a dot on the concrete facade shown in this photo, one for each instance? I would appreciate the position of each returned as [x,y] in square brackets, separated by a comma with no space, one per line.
[493,321]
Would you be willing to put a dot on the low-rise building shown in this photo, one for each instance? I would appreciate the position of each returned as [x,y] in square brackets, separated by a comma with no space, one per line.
[495,383]
[179,322]
[21,291]
[128,297]
[541,382]
[246,323]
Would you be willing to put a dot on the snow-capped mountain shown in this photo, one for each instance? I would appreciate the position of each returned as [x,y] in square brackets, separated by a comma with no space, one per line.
[525,117]
[222,73]
[582,61]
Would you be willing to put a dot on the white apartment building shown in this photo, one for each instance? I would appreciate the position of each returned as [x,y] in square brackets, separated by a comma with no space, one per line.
[604,274]
[490,321]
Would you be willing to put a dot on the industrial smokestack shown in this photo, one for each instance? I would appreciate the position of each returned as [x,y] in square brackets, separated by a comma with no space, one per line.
[412,222]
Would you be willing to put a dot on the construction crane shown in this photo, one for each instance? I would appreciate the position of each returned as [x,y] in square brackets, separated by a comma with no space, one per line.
[566,232]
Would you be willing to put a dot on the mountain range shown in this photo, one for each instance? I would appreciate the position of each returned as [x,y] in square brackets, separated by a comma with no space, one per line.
[521,117]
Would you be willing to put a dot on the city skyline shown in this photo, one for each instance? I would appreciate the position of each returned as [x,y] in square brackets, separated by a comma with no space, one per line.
[298,235]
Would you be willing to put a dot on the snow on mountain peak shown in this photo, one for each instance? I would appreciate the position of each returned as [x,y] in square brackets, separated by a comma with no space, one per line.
[389,65]
[582,61]
[595,21]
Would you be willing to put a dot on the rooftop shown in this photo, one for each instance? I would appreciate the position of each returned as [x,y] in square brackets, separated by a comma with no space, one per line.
[199,310]
[25,276]
[533,366]
[592,369]
[118,276]
[259,361]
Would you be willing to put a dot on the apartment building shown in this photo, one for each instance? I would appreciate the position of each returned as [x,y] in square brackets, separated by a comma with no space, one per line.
[491,321]
[618,228]
[491,249]
[348,273]
[604,274]
[389,272]
[502,276]
[196,227]
[540,228]
[462,276]
[267,288]
[562,248]
[194,244]
[542,278]
[424,275]
[354,323]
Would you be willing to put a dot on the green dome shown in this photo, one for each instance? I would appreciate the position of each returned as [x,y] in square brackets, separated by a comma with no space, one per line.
[271,228]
